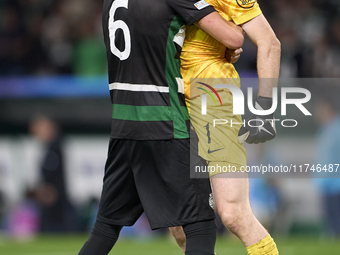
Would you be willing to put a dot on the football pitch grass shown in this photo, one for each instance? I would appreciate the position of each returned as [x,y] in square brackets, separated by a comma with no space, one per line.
[70,244]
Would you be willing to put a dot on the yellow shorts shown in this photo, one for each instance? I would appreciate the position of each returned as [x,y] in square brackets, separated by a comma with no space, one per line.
[217,132]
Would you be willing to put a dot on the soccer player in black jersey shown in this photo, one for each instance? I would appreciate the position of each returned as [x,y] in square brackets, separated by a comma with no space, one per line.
[147,168]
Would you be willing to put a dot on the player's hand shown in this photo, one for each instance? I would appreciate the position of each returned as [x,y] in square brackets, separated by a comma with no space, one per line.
[232,55]
[261,128]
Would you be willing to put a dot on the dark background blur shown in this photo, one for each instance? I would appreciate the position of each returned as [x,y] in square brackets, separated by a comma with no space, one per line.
[55,37]
[62,41]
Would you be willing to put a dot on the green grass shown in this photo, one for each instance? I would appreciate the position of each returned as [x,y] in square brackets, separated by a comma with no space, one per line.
[70,244]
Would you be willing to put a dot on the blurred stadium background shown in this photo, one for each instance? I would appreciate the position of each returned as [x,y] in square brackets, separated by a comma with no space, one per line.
[53,77]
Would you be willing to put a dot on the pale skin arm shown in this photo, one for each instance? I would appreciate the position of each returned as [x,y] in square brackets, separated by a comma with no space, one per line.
[223,31]
[268,53]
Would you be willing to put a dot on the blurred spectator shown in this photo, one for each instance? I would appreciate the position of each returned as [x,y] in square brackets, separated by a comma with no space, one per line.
[328,152]
[23,219]
[56,212]
[64,37]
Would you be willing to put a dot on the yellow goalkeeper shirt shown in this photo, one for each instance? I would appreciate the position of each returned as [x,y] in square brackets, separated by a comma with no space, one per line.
[204,57]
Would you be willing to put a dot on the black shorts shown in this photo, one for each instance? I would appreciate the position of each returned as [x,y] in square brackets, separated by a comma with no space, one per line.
[152,176]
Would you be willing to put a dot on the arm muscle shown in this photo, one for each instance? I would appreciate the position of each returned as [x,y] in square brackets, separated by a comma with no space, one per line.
[268,54]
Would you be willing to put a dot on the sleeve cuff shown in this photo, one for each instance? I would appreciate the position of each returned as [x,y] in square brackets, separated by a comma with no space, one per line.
[249,16]
[204,12]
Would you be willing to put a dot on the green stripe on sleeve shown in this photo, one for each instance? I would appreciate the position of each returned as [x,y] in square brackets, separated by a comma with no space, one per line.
[141,113]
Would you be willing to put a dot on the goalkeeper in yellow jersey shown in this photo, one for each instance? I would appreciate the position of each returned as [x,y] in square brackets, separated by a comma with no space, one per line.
[204,57]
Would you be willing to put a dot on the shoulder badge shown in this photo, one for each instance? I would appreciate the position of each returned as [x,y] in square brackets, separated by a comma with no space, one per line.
[201,4]
[246,4]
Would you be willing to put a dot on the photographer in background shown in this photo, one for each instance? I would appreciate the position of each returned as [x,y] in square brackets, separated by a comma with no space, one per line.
[328,152]
[56,212]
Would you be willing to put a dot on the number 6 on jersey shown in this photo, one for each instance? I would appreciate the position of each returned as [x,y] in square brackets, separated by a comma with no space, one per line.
[114,25]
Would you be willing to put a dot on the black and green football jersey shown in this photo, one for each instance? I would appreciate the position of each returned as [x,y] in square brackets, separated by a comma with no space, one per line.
[143,39]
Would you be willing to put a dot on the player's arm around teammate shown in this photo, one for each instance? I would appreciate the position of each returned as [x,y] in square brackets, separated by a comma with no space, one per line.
[223,31]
